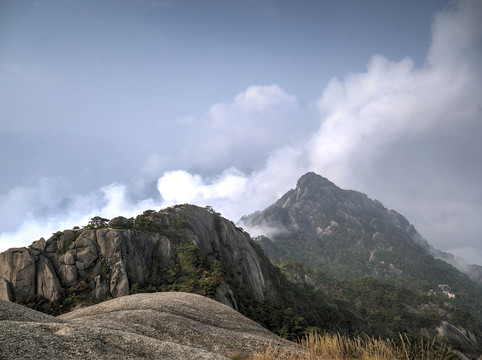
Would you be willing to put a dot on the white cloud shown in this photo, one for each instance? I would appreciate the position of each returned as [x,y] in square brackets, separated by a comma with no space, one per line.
[179,187]
[46,208]
[241,132]
[234,193]
[255,100]
[392,100]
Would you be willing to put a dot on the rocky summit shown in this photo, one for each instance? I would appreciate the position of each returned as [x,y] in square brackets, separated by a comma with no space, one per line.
[143,326]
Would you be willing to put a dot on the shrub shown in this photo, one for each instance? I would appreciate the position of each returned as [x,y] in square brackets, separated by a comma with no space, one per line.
[97,222]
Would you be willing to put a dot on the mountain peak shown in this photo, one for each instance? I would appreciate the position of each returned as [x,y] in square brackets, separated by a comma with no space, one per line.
[311,190]
[325,218]
[313,180]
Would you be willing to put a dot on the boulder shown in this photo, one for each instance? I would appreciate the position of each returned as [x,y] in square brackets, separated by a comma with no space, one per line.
[143,326]
[120,222]
[17,266]
[48,284]
[68,275]
[119,283]
[448,332]
[40,244]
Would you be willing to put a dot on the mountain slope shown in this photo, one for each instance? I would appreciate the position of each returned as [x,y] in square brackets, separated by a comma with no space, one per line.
[345,237]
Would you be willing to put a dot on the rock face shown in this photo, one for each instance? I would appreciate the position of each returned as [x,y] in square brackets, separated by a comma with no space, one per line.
[466,342]
[142,326]
[108,261]
[18,270]
[220,239]
[48,285]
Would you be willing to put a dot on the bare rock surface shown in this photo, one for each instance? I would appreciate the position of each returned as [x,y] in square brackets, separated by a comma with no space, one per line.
[17,267]
[142,326]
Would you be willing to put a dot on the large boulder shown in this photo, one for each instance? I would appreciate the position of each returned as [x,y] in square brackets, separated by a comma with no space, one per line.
[17,266]
[48,286]
[143,326]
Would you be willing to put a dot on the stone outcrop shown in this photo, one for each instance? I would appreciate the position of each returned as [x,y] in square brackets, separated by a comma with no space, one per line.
[109,261]
[18,269]
[142,326]
[464,340]
[220,239]
[48,285]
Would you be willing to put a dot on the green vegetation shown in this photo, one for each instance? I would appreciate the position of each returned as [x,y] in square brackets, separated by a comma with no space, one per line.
[388,288]
[66,301]
[195,272]
[145,222]
[97,222]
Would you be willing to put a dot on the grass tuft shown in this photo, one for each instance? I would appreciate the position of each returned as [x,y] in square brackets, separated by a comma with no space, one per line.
[340,347]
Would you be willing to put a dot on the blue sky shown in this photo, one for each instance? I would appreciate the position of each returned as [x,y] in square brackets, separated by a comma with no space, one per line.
[108,106]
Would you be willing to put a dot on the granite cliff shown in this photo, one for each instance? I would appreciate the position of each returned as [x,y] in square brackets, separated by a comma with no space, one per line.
[107,259]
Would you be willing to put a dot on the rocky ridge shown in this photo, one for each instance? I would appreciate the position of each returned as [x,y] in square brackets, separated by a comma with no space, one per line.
[106,260]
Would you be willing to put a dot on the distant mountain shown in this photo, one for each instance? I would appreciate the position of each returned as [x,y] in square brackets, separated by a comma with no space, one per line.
[346,236]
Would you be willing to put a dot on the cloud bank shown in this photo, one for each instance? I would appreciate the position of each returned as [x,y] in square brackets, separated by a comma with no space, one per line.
[405,135]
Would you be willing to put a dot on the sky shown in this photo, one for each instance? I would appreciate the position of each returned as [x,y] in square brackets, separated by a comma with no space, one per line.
[114,107]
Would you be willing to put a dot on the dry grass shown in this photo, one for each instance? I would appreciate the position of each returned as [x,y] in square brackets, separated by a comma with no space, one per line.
[341,347]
